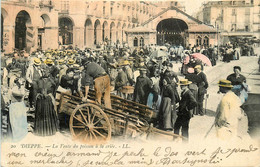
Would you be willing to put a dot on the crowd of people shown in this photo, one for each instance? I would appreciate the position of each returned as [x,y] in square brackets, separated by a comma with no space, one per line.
[30,81]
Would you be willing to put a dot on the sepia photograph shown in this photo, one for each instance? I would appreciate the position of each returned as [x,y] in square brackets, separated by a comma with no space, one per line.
[130,83]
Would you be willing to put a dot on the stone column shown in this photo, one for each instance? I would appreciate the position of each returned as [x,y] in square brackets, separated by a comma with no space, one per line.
[99,35]
[123,36]
[113,36]
[78,37]
[50,38]
[31,38]
[89,37]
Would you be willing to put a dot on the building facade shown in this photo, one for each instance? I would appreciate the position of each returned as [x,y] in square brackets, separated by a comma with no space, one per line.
[28,25]
[233,18]
[49,24]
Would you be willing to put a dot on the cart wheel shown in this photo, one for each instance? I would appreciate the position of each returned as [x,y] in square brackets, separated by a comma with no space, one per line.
[89,124]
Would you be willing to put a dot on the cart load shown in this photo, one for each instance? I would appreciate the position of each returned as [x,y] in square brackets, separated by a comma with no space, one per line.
[93,123]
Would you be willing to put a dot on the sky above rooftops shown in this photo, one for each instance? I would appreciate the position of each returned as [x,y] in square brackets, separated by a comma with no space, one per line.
[192,6]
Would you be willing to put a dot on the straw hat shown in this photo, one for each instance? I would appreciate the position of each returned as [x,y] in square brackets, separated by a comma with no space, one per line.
[71,61]
[184,82]
[76,66]
[48,55]
[37,61]
[48,61]
[61,61]
[225,83]
[197,66]
[124,63]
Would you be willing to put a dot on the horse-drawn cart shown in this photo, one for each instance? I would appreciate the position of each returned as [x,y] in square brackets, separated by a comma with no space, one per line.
[92,123]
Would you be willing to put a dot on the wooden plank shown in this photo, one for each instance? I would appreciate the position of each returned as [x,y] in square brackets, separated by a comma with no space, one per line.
[134,110]
[131,104]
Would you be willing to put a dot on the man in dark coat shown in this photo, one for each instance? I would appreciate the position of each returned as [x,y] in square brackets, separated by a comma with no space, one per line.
[202,84]
[142,88]
[121,81]
[186,104]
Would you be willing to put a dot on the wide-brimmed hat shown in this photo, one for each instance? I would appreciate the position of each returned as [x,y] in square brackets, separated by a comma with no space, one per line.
[124,63]
[197,66]
[71,61]
[48,55]
[225,83]
[37,61]
[61,61]
[76,66]
[48,61]
[184,82]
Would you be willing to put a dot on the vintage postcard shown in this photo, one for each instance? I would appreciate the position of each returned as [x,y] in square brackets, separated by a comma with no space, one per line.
[130,83]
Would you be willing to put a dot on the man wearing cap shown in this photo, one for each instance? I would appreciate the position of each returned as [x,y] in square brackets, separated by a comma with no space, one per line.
[62,68]
[170,74]
[228,112]
[70,63]
[101,82]
[121,80]
[202,83]
[129,72]
[33,74]
[186,105]
[102,63]
[142,87]
[53,69]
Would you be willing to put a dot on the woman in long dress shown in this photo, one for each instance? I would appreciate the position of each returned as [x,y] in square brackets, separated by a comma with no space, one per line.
[46,119]
[167,111]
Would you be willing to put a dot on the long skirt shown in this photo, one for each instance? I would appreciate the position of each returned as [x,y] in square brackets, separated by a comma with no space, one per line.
[18,120]
[167,114]
[46,119]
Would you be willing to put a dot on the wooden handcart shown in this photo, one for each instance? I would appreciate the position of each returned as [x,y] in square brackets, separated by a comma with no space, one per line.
[92,123]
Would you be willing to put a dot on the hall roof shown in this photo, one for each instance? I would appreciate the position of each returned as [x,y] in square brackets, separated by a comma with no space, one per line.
[171,8]
[140,29]
[201,28]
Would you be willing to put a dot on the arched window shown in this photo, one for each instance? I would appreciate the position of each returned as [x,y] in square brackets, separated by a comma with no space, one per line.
[141,42]
[135,42]
[206,41]
[198,41]
[66,30]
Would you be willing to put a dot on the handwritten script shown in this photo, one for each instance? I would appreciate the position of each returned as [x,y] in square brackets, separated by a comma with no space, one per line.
[77,155]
